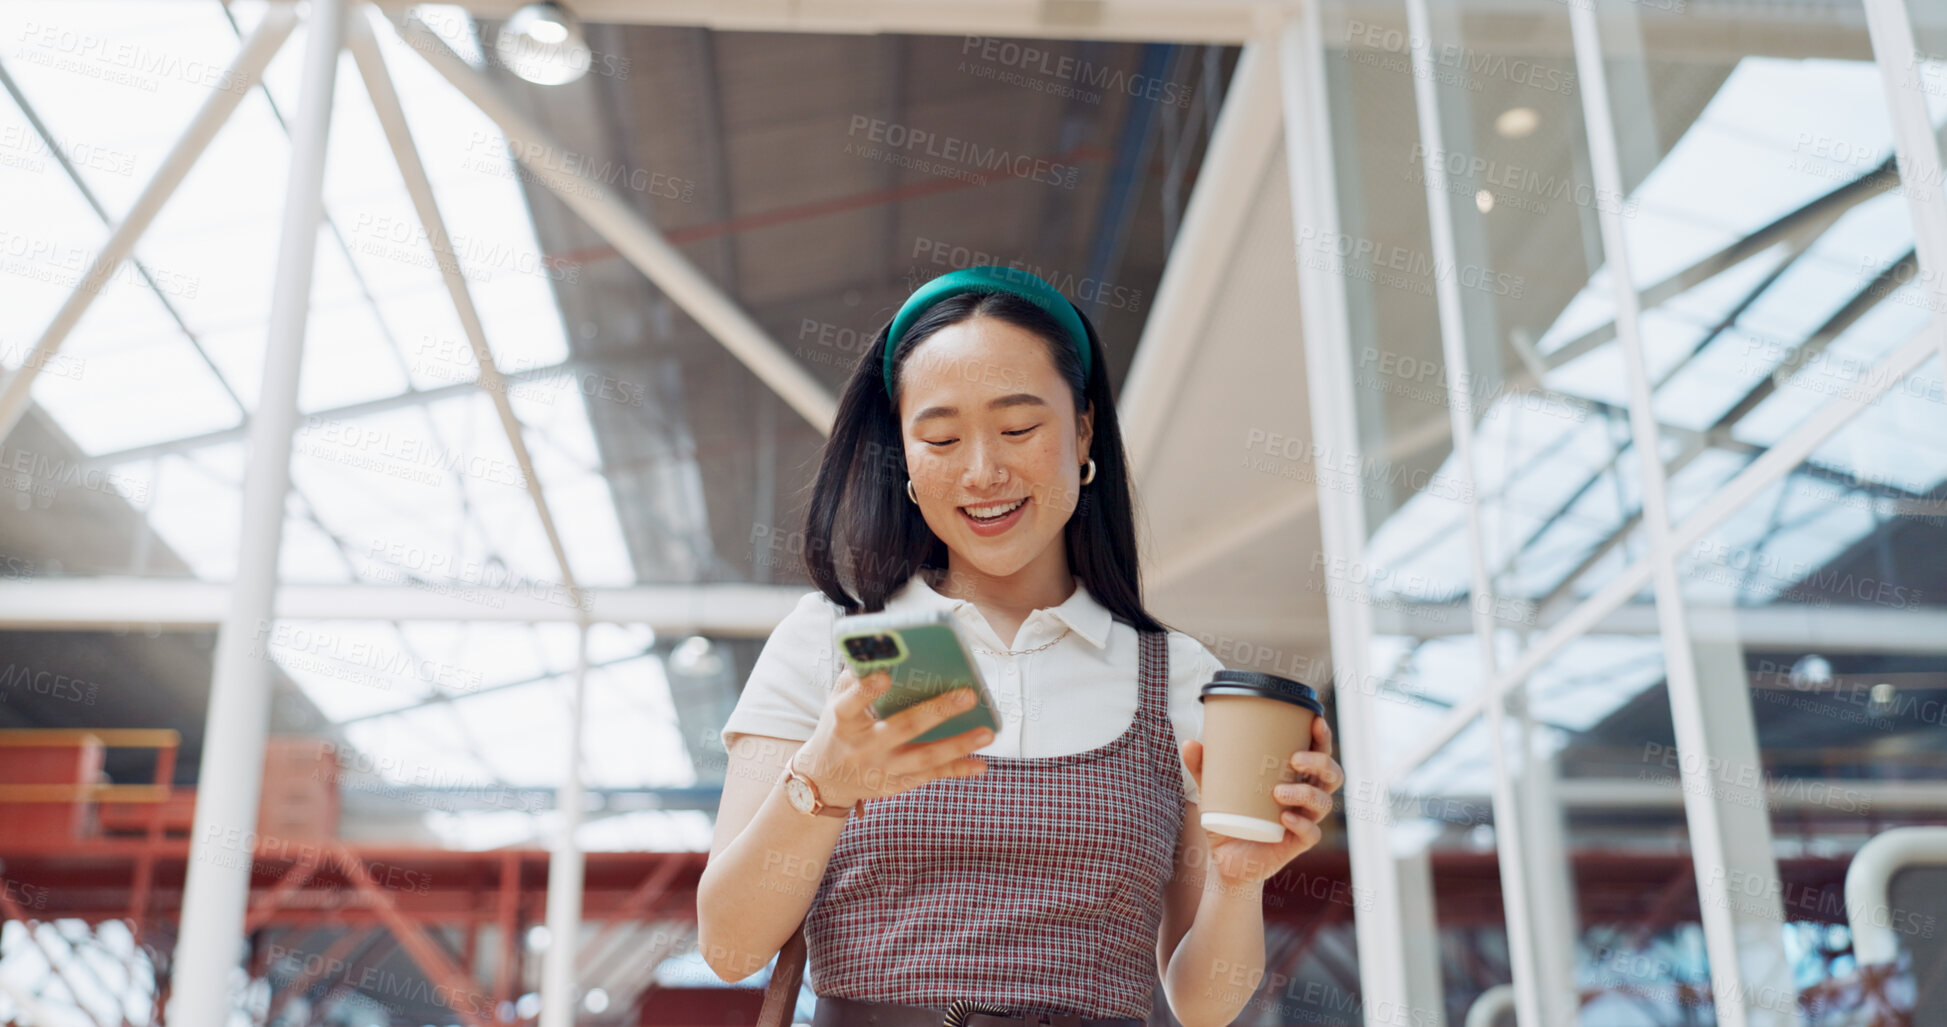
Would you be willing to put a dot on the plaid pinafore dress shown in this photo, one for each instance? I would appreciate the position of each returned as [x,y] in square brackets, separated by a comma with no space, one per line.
[1037,886]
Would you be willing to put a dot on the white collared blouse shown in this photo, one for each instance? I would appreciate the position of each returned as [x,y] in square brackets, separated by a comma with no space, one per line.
[1077,694]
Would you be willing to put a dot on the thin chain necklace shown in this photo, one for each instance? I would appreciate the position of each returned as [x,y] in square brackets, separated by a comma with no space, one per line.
[1012,652]
[1024,652]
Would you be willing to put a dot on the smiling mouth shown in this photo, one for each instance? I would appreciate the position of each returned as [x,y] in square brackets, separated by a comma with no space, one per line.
[992,513]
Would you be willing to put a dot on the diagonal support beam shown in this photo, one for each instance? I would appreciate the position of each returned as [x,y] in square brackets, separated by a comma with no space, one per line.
[392,118]
[256,53]
[1718,435]
[372,957]
[466,999]
[1796,229]
[658,951]
[1770,466]
[544,374]
[633,236]
[280,893]
[333,956]
[1915,149]
[593,963]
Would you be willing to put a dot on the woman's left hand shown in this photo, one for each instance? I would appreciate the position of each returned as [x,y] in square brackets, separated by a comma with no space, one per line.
[1306,802]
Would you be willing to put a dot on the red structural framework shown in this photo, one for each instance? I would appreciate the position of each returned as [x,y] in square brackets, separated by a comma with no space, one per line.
[76,848]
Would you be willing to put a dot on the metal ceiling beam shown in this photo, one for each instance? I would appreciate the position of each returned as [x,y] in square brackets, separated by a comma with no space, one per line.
[1784,626]
[1719,435]
[1217,21]
[1842,798]
[882,197]
[398,135]
[168,305]
[365,408]
[109,603]
[1797,228]
[1915,143]
[1746,485]
[633,236]
[255,53]
[453,699]
[1827,27]
[1628,794]
[80,184]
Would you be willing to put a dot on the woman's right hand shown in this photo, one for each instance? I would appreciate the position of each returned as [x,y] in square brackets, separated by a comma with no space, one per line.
[854,755]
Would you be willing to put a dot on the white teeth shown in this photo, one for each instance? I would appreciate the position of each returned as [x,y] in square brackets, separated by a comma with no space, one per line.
[988,513]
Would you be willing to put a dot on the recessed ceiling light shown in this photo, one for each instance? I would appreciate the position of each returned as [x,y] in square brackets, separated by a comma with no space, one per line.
[1517,122]
[543,44]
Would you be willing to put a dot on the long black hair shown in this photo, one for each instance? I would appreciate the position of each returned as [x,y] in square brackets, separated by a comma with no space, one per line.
[860,519]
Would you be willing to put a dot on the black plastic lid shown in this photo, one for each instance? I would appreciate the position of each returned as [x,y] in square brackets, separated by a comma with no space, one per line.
[1266,686]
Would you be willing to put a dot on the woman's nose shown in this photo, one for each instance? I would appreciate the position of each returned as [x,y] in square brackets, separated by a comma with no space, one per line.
[984,467]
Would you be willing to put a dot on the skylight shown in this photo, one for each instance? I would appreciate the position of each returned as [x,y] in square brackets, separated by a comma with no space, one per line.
[388,489]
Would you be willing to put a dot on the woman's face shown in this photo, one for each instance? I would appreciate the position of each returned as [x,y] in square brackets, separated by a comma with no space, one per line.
[990,428]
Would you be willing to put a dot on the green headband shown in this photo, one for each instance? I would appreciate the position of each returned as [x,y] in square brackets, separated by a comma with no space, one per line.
[988,278]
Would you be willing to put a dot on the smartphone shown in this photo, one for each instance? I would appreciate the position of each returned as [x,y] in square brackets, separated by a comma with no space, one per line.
[926,657]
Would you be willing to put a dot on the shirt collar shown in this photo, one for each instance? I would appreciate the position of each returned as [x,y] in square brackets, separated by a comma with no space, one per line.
[1080,612]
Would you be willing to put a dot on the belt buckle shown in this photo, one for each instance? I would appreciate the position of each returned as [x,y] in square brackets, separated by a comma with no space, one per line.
[960,1009]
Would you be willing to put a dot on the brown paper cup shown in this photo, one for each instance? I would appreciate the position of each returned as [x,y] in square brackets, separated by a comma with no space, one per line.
[1250,729]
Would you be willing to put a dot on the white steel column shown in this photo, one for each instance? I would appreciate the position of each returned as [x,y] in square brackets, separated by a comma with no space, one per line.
[1551,891]
[565,865]
[1509,836]
[1918,154]
[1328,352]
[1710,849]
[1738,791]
[231,774]
[1426,996]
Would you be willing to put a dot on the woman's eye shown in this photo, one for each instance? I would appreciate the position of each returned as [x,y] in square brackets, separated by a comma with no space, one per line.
[948,442]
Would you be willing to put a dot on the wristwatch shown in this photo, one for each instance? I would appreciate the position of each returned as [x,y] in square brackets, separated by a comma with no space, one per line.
[804,797]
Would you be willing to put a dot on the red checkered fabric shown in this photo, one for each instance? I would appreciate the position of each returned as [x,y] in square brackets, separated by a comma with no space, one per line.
[1037,885]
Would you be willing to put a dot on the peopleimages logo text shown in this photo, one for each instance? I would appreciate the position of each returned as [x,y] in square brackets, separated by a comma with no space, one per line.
[1035,60]
[964,152]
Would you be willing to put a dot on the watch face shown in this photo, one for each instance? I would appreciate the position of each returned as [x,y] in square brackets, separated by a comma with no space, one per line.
[800,795]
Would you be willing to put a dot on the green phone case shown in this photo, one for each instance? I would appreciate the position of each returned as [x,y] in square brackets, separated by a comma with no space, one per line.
[931,660]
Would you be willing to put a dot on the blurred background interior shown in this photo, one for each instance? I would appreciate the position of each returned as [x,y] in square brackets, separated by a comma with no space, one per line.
[1617,740]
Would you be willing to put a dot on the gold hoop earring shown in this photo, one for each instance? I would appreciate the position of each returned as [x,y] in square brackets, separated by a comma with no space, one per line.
[909,492]
[1089,475]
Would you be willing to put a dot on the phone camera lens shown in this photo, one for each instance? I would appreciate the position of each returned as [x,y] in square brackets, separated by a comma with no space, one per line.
[872,648]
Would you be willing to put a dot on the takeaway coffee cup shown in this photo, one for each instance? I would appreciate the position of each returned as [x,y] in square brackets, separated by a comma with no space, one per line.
[1252,723]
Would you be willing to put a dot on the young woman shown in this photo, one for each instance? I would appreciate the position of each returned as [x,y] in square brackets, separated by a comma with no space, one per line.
[976,466]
